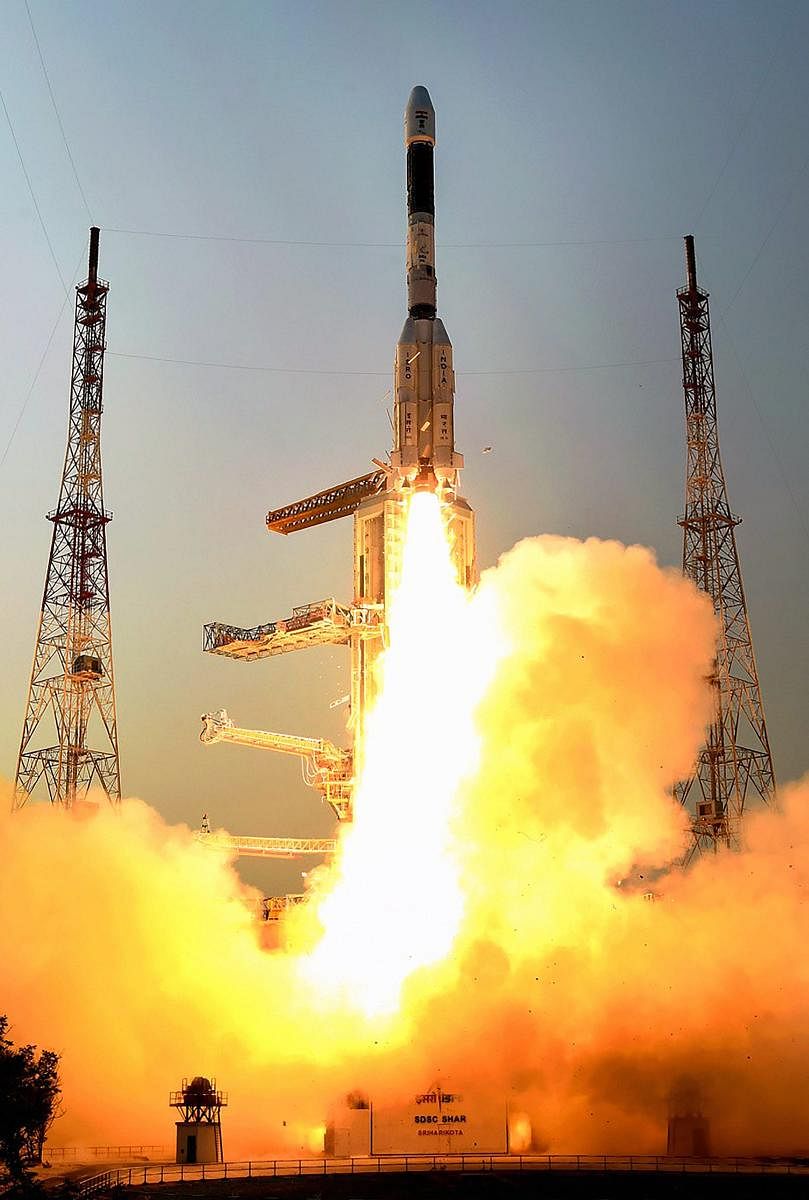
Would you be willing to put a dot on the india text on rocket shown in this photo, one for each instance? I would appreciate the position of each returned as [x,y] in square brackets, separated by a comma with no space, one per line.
[423,457]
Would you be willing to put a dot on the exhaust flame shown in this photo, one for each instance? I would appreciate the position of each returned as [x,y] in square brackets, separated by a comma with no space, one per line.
[396,886]
[473,929]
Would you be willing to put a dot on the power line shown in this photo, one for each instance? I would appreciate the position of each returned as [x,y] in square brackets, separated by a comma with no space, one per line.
[767,236]
[630,362]
[776,456]
[33,197]
[246,241]
[263,241]
[44,355]
[226,366]
[194,362]
[56,110]
[741,130]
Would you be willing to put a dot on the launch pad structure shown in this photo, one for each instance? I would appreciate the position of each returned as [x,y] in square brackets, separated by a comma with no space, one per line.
[735,763]
[423,457]
[73,681]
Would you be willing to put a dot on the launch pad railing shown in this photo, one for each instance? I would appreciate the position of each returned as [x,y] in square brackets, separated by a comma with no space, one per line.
[157,1173]
[54,1154]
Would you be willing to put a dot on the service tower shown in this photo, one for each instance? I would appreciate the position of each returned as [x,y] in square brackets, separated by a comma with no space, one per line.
[423,457]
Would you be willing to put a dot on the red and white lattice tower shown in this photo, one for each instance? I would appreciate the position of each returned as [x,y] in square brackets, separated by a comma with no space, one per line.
[70,736]
[735,764]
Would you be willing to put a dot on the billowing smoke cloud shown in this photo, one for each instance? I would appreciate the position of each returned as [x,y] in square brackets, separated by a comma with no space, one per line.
[594,990]
[134,951]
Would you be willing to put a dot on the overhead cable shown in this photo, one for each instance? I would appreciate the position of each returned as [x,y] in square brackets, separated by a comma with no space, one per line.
[194,362]
[264,241]
[740,131]
[776,456]
[40,364]
[56,111]
[779,214]
[33,197]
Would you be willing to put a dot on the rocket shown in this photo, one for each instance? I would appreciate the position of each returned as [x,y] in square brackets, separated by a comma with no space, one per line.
[422,458]
[423,455]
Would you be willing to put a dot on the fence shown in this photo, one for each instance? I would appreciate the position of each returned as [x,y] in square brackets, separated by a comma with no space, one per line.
[60,1154]
[264,1168]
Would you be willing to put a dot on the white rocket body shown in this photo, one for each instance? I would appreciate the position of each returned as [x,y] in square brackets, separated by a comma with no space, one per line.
[424,454]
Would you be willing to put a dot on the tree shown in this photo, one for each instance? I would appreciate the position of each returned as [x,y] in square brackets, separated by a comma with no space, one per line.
[29,1091]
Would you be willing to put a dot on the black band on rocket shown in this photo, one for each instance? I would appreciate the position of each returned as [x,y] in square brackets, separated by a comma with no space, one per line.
[420,189]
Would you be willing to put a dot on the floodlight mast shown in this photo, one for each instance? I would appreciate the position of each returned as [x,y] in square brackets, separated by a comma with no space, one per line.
[73,680]
[735,764]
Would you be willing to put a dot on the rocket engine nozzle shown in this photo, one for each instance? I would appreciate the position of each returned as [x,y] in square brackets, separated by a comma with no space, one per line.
[426,481]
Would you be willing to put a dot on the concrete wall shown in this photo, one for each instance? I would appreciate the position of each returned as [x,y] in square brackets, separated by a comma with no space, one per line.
[198,1143]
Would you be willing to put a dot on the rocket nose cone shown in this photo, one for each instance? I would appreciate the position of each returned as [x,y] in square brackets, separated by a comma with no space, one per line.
[420,98]
[419,117]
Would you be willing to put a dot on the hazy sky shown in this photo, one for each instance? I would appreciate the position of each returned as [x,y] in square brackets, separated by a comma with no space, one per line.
[588,137]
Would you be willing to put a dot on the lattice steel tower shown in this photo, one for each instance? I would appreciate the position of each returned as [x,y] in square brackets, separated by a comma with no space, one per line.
[735,763]
[72,680]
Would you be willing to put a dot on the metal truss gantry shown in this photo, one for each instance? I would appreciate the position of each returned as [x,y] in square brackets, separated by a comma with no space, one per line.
[321,623]
[264,847]
[72,680]
[329,505]
[735,763]
[274,908]
[325,766]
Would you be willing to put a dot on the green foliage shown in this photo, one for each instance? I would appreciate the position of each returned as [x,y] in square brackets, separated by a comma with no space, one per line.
[29,1090]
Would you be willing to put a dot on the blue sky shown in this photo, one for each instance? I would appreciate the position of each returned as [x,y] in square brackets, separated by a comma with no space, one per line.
[578,142]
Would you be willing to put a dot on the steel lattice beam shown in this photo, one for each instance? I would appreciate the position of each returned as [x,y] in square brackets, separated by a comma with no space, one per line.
[267,847]
[272,908]
[322,623]
[340,501]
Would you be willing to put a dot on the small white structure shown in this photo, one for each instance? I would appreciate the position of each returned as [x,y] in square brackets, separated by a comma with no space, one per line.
[197,1143]
[199,1133]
